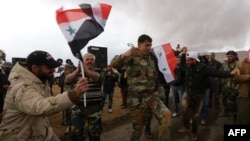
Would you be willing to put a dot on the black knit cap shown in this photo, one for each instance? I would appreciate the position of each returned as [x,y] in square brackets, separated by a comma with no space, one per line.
[39,57]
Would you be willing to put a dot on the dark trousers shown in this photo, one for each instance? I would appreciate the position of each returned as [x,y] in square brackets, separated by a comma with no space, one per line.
[215,93]
[192,106]
[167,91]
[124,92]
[110,95]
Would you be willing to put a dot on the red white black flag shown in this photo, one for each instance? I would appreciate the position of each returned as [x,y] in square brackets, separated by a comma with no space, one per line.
[166,61]
[81,24]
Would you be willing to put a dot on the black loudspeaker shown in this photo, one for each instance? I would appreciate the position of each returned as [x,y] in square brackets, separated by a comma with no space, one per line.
[101,56]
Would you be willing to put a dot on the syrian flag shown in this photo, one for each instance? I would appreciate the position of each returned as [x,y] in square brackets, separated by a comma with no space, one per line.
[80,25]
[166,61]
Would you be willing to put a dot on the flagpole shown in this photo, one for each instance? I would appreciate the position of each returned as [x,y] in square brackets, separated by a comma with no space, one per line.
[84,95]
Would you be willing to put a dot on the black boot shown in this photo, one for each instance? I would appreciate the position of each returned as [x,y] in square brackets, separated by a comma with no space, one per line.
[94,138]
[147,132]
[77,136]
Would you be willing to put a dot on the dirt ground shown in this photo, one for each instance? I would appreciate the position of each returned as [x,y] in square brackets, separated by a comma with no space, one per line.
[213,131]
[109,119]
[117,126]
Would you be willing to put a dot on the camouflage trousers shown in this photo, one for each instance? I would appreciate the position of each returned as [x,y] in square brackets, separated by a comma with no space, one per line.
[230,102]
[149,113]
[139,108]
[80,117]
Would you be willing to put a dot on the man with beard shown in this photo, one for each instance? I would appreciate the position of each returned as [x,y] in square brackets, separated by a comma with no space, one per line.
[230,87]
[28,101]
[92,111]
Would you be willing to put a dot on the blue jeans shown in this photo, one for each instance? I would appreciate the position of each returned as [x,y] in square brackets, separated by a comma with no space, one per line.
[110,102]
[177,92]
[204,110]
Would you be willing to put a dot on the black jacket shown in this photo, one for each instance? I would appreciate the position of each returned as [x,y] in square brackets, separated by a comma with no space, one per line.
[197,75]
[180,76]
[109,82]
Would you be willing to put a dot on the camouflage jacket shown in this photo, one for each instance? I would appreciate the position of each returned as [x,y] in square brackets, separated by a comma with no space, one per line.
[142,74]
[229,85]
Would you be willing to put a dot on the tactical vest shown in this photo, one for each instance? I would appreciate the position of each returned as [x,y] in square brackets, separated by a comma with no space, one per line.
[94,93]
[93,98]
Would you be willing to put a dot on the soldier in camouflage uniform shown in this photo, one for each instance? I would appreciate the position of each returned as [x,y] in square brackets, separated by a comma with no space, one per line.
[143,82]
[92,113]
[230,88]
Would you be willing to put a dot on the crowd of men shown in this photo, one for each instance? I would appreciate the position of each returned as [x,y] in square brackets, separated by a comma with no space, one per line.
[200,82]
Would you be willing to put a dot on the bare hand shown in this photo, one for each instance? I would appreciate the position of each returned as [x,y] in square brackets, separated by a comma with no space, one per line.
[78,69]
[81,86]
[132,52]
[184,50]
[235,73]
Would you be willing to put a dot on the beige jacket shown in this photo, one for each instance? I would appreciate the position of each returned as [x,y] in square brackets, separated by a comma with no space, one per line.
[244,78]
[27,107]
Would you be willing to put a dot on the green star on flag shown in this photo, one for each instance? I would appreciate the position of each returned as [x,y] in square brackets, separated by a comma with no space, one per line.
[166,61]
[164,69]
[71,30]
[160,54]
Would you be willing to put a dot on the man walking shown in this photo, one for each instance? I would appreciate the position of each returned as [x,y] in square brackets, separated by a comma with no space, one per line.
[142,78]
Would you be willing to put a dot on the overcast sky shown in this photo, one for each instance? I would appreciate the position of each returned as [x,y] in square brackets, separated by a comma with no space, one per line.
[201,25]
